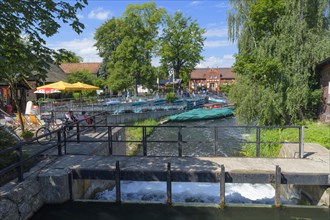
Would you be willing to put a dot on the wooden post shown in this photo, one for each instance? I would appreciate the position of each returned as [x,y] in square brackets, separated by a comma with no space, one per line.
[277,186]
[168,185]
[117,180]
[222,186]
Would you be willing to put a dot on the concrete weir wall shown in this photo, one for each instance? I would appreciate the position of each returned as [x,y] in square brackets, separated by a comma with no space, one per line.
[315,195]
[51,186]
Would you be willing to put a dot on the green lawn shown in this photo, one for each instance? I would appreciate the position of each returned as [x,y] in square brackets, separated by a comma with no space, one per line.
[315,132]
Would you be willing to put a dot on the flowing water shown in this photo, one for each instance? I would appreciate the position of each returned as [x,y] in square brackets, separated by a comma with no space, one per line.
[199,140]
[153,193]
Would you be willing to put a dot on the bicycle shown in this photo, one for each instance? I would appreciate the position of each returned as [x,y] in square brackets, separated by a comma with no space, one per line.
[45,131]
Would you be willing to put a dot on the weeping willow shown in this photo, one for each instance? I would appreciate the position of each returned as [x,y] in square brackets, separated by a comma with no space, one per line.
[280,43]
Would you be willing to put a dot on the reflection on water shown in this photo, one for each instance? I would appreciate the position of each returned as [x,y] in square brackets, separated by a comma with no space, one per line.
[106,211]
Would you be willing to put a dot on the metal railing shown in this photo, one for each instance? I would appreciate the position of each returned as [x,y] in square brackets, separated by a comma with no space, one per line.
[215,142]
[59,143]
[63,139]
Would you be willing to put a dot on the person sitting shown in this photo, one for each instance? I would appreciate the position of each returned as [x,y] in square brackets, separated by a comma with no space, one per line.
[88,119]
[70,118]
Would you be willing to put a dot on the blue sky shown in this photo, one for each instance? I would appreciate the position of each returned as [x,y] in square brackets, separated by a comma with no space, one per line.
[211,15]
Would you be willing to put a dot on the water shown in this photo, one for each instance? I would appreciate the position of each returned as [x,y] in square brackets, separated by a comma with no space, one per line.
[154,193]
[106,211]
[133,191]
[199,141]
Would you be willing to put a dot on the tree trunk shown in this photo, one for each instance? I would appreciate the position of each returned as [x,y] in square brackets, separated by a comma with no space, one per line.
[17,105]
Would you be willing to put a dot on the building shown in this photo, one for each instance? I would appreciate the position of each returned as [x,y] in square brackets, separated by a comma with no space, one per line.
[323,68]
[210,78]
[93,68]
[26,88]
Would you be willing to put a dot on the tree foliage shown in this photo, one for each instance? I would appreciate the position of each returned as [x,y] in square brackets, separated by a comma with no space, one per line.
[126,45]
[23,27]
[181,45]
[280,43]
[66,56]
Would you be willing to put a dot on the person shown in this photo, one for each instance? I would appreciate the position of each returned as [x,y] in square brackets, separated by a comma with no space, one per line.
[70,118]
[88,119]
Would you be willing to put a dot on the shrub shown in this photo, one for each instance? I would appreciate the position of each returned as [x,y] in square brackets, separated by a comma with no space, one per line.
[27,135]
[170,97]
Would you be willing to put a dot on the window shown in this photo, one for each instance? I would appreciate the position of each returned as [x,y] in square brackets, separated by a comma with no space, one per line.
[210,76]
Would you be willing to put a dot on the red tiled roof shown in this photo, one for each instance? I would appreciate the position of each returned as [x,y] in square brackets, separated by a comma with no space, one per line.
[200,73]
[73,67]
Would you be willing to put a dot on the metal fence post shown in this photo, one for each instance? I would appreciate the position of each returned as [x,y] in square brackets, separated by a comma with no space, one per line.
[110,140]
[20,170]
[301,141]
[78,133]
[144,140]
[278,186]
[222,186]
[258,141]
[180,141]
[59,143]
[64,137]
[117,180]
[168,185]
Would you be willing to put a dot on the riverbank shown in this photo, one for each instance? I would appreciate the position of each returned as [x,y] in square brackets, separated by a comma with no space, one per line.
[314,132]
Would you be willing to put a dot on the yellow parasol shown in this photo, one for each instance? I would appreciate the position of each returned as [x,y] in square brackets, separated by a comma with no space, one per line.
[60,85]
[84,86]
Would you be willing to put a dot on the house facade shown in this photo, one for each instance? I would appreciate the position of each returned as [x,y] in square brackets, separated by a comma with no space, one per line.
[210,78]
[323,68]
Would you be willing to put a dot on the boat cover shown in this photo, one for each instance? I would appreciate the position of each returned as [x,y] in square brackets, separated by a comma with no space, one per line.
[202,114]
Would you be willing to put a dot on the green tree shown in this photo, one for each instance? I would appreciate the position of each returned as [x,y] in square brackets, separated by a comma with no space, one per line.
[181,45]
[126,45]
[280,42]
[20,58]
[66,56]
[85,76]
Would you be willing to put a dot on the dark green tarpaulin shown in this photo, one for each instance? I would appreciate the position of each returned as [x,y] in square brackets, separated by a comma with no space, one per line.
[202,114]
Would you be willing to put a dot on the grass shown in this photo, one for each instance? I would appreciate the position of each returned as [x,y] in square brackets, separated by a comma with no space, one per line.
[314,132]
[135,134]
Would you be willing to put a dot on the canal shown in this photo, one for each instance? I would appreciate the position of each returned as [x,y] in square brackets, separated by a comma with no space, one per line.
[202,197]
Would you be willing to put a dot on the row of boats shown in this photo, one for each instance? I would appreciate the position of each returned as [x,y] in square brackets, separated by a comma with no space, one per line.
[214,109]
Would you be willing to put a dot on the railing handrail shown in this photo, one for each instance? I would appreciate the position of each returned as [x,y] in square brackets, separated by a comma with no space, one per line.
[144,141]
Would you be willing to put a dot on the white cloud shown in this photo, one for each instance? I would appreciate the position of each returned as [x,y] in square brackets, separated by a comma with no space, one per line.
[216,43]
[99,13]
[80,16]
[225,61]
[195,3]
[216,32]
[84,48]
[222,5]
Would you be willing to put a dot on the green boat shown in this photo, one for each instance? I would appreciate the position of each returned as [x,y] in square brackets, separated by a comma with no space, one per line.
[203,114]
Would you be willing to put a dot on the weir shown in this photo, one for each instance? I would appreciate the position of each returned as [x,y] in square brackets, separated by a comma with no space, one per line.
[80,157]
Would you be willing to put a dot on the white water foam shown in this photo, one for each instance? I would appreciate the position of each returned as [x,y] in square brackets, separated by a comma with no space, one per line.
[192,192]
